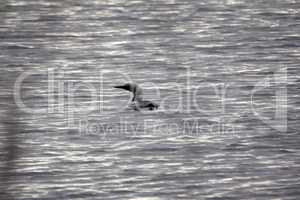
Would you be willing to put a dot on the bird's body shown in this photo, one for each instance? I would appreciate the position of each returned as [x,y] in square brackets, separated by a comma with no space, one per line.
[137,99]
[145,104]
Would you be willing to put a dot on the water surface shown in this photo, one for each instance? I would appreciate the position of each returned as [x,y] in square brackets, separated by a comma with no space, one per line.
[225,73]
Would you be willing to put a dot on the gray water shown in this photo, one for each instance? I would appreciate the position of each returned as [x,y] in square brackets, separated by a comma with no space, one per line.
[225,73]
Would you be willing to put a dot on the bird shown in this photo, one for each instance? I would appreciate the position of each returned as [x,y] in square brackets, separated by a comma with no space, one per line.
[137,100]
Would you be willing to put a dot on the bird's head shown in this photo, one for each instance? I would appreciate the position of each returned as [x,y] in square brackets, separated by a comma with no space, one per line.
[132,87]
[127,86]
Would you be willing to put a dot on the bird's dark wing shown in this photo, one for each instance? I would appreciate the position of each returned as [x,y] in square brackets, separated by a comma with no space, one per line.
[150,105]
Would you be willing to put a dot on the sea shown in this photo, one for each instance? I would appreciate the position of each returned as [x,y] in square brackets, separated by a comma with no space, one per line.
[225,74]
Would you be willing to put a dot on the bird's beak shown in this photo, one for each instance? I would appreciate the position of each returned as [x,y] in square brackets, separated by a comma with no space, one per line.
[119,86]
[124,87]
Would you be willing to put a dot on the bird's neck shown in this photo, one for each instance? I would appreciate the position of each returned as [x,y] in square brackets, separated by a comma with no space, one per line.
[137,95]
